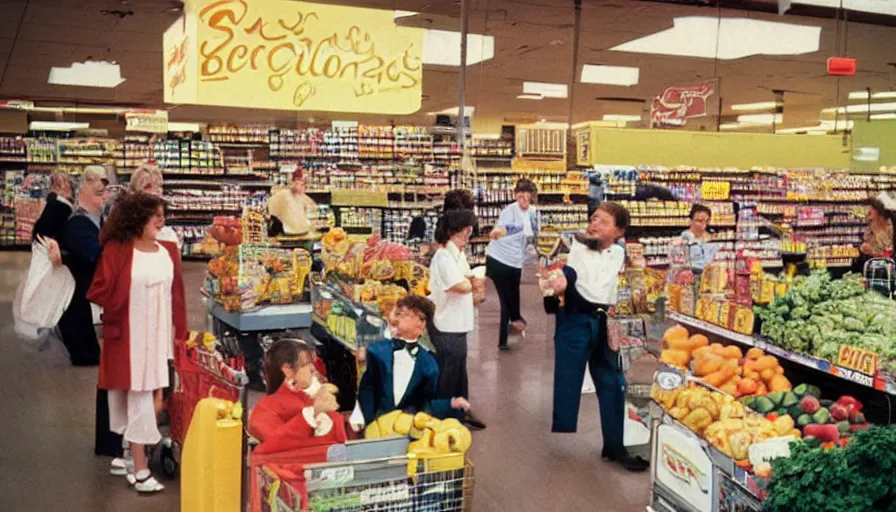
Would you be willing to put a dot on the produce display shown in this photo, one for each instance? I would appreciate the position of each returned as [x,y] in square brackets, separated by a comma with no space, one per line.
[820,315]
[248,276]
[821,421]
[431,436]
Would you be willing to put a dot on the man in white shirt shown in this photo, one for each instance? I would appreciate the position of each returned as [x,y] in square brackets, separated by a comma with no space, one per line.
[589,285]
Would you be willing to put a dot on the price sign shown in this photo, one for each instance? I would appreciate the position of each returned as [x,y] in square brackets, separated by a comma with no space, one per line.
[858,359]
[669,378]
[769,450]
[715,190]
[359,198]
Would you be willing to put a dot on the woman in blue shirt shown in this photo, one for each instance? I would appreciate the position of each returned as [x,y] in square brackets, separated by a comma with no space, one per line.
[516,228]
[698,239]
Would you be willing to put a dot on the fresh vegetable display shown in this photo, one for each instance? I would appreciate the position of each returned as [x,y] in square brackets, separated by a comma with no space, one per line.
[820,314]
[859,477]
[431,436]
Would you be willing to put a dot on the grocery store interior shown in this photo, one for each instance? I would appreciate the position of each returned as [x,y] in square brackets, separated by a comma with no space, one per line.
[756,335]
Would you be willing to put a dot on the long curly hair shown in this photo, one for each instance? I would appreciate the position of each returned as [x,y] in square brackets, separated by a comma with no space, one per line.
[130,214]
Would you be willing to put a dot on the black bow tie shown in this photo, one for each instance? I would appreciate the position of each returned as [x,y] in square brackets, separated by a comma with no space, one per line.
[411,346]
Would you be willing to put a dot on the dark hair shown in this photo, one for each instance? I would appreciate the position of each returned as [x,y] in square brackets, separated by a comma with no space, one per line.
[699,208]
[420,305]
[525,185]
[131,213]
[458,199]
[620,215]
[286,351]
[878,206]
[452,222]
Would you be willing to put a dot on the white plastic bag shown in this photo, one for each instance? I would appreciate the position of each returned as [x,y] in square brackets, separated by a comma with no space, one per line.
[42,296]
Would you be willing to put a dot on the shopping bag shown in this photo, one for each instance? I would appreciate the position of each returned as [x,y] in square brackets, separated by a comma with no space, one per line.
[42,296]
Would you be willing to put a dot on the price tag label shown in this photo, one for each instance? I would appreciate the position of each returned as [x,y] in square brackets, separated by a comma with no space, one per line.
[668,378]
[715,190]
[858,359]
[769,450]
[340,475]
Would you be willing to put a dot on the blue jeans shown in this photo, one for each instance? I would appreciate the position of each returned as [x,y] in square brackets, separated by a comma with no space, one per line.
[581,339]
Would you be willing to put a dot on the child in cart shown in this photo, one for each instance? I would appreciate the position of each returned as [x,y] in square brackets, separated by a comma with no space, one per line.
[588,285]
[298,411]
[401,374]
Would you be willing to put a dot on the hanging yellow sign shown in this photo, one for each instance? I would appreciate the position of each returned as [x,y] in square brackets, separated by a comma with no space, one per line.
[715,190]
[290,55]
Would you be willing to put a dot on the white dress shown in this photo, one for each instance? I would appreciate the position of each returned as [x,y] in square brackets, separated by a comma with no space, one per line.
[132,412]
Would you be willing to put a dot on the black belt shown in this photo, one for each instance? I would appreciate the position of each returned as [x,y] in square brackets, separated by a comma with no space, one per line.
[589,309]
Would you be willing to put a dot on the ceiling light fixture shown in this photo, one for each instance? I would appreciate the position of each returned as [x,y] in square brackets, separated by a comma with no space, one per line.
[862,109]
[87,74]
[442,48]
[880,117]
[530,97]
[763,119]
[184,127]
[56,126]
[546,90]
[762,105]
[727,39]
[873,6]
[823,127]
[625,76]
[863,95]
[620,117]
[404,14]
[453,111]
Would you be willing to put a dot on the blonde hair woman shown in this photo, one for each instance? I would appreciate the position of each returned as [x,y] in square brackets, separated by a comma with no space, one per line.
[147,178]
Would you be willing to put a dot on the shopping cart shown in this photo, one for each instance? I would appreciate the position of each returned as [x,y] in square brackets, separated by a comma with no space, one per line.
[879,274]
[199,374]
[400,483]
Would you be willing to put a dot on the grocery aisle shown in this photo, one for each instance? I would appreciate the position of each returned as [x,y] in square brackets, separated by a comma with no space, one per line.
[47,460]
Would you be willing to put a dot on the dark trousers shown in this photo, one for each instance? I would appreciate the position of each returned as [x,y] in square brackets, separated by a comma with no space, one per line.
[507,284]
[78,333]
[107,443]
[451,356]
[582,339]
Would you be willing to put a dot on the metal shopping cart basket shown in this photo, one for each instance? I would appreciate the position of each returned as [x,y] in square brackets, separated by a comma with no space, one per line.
[880,275]
[199,374]
[401,483]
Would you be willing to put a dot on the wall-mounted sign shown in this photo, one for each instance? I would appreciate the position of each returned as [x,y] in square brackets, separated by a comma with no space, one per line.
[715,190]
[291,55]
[675,105]
[153,121]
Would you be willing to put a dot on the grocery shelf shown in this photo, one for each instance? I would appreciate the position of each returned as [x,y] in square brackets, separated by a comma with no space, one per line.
[822,365]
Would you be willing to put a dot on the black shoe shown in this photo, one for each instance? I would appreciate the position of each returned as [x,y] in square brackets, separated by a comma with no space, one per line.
[504,348]
[472,422]
[606,456]
[633,463]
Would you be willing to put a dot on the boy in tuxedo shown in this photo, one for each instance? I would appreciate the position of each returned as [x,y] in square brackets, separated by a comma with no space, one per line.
[401,374]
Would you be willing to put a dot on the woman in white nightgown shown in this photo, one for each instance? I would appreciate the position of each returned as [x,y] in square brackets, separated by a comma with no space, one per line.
[139,284]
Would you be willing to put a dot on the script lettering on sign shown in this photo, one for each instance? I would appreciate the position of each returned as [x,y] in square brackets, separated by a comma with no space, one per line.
[715,190]
[858,359]
[294,55]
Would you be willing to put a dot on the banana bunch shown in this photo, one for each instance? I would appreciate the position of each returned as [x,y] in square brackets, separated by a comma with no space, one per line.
[431,435]
[201,339]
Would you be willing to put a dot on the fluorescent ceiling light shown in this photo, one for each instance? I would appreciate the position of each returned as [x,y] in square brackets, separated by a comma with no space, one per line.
[733,126]
[729,38]
[762,105]
[530,97]
[618,117]
[874,6]
[442,48]
[546,90]
[863,95]
[823,127]
[454,111]
[56,126]
[404,14]
[87,74]
[863,109]
[610,75]
[883,116]
[760,119]
[184,127]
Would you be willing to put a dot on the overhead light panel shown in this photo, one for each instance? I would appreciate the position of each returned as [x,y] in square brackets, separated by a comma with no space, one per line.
[863,95]
[442,48]
[87,74]
[404,14]
[886,7]
[56,126]
[863,109]
[184,127]
[546,90]
[764,119]
[619,117]
[454,111]
[762,105]
[881,117]
[822,128]
[530,97]
[726,39]
[610,75]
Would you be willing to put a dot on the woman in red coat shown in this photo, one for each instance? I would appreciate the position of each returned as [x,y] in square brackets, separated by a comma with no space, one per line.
[298,411]
[139,284]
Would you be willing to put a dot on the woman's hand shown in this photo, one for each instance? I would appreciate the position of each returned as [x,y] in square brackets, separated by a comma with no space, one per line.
[558,284]
[325,402]
[478,290]
[53,251]
[497,232]
[460,403]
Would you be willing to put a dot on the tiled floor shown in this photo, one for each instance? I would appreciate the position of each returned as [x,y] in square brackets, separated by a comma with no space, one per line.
[47,461]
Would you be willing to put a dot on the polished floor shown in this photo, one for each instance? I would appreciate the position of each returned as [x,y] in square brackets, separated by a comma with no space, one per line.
[47,411]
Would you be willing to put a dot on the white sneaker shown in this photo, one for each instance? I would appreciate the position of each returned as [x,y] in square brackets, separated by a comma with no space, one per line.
[121,466]
[145,483]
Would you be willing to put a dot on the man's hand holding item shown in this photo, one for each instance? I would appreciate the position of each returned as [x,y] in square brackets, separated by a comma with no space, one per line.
[325,400]
[460,403]
[52,247]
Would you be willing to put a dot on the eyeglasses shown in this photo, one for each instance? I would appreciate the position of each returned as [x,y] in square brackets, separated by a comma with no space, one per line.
[402,313]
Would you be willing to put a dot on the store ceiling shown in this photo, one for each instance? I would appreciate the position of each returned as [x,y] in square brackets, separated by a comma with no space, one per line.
[533,42]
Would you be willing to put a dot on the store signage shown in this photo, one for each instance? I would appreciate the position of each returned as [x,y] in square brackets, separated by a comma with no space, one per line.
[769,450]
[684,468]
[291,55]
[16,104]
[155,121]
[669,378]
[858,359]
[359,198]
[715,190]
[675,105]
